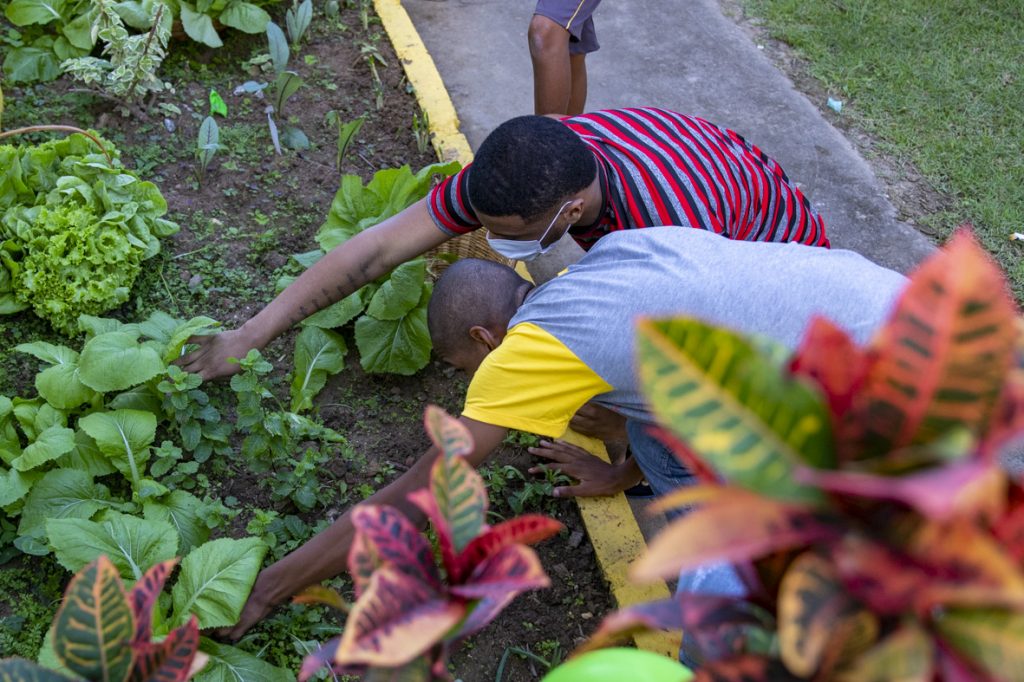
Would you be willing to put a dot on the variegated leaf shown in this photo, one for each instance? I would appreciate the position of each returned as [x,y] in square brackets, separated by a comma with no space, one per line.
[318,594]
[20,670]
[94,626]
[417,670]
[734,408]
[906,655]
[397,619]
[321,658]
[818,618]
[461,499]
[829,357]
[732,525]
[396,541]
[521,530]
[745,668]
[170,660]
[941,358]
[513,570]
[363,560]
[144,594]
[989,638]
[450,436]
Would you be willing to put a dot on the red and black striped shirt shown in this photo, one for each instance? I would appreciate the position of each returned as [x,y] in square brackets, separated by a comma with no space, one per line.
[658,167]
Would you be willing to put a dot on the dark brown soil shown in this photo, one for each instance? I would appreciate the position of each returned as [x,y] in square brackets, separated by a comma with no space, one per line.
[239,227]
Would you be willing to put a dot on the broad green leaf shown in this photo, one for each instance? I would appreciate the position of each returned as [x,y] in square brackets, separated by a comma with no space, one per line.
[10,445]
[59,384]
[735,409]
[215,581]
[93,326]
[131,543]
[48,446]
[217,104]
[87,457]
[279,52]
[294,138]
[285,85]
[116,361]
[158,326]
[401,292]
[818,618]
[199,27]
[48,658]
[20,670]
[337,314]
[94,625]
[208,141]
[989,638]
[231,664]
[60,494]
[26,12]
[29,64]
[182,510]
[318,354]
[143,397]
[124,436]
[396,346]
[246,17]
[14,485]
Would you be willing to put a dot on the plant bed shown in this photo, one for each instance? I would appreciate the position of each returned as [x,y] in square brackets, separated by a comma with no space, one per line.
[239,226]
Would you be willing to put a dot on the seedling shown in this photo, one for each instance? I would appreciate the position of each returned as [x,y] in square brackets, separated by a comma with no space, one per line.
[346,131]
[206,146]
[421,131]
[372,57]
[297,20]
[284,86]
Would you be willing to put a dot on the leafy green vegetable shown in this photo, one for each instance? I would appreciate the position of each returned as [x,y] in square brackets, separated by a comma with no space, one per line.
[132,544]
[73,230]
[50,32]
[318,354]
[60,494]
[215,581]
[230,664]
[116,361]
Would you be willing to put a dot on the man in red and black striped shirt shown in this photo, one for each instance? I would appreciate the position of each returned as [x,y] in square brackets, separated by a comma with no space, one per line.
[536,178]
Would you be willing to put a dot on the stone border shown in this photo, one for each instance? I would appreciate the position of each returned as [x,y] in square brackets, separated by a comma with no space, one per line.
[610,523]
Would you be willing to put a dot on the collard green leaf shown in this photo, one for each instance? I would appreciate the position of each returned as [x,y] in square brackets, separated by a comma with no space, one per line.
[14,485]
[215,581]
[10,445]
[61,494]
[183,511]
[124,436]
[116,361]
[396,346]
[279,52]
[49,445]
[245,17]
[318,354]
[231,664]
[131,543]
[58,384]
[337,314]
[401,292]
[86,457]
[199,27]
[27,12]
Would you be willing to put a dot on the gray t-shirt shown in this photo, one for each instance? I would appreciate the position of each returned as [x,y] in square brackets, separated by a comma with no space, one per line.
[765,288]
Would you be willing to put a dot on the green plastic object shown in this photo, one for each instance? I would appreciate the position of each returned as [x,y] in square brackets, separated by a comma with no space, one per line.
[617,664]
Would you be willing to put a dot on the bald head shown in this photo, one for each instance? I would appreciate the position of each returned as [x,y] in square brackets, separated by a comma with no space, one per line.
[472,293]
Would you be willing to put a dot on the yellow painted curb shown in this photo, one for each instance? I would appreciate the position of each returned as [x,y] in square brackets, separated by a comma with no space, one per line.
[613,530]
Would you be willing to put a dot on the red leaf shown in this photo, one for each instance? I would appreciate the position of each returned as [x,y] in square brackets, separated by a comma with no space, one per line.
[941,358]
[1008,418]
[1010,529]
[396,541]
[424,499]
[829,357]
[968,488]
[482,613]
[397,619]
[169,660]
[748,668]
[447,433]
[526,529]
[144,594]
[513,570]
[363,560]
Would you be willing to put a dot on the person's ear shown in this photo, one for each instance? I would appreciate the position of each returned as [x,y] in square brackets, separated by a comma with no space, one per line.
[483,335]
[574,212]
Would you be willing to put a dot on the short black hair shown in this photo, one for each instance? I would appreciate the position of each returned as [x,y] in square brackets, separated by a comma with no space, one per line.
[471,292]
[527,165]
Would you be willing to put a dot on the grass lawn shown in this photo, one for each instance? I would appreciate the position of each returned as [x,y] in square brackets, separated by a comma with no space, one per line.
[939,83]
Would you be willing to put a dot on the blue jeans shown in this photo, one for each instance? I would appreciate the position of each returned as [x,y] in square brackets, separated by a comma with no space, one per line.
[665,473]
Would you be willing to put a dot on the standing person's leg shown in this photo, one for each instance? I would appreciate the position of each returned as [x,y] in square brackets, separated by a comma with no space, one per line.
[561,34]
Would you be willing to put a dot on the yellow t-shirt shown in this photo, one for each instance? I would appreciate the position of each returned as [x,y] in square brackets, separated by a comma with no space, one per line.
[531,382]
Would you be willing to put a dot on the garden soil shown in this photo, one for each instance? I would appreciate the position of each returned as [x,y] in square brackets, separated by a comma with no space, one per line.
[252,210]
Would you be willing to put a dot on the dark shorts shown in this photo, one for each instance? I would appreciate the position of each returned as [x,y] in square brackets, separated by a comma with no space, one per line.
[576,17]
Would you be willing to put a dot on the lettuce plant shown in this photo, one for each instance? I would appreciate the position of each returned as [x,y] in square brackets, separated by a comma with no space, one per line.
[390,314]
[409,614]
[859,491]
[74,230]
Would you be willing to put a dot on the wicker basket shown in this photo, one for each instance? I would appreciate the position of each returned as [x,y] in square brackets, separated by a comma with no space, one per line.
[472,245]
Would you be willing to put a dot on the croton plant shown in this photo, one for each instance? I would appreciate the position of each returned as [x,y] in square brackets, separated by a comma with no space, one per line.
[861,491]
[409,614]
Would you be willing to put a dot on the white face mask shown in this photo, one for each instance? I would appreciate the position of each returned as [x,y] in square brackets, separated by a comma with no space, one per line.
[525,250]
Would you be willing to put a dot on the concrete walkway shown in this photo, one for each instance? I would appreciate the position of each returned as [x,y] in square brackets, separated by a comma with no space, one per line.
[684,56]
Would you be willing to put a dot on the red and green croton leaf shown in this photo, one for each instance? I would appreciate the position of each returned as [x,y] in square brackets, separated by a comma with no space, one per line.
[988,638]
[394,542]
[732,525]
[820,624]
[738,410]
[832,359]
[143,596]
[450,436]
[169,660]
[745,669]
[318,594]
[363,560]
[941,359]
[512,570]
[94,626]
[395,620]
[20,670]
[521,530]
[907,655]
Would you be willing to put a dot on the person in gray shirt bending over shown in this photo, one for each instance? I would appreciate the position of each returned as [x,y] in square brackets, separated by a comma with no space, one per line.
[538,354]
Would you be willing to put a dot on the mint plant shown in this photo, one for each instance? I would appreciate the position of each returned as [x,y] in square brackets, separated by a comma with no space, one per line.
[199,424]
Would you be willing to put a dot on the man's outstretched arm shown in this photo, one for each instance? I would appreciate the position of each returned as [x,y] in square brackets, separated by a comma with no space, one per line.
[360,260]
[326,554]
